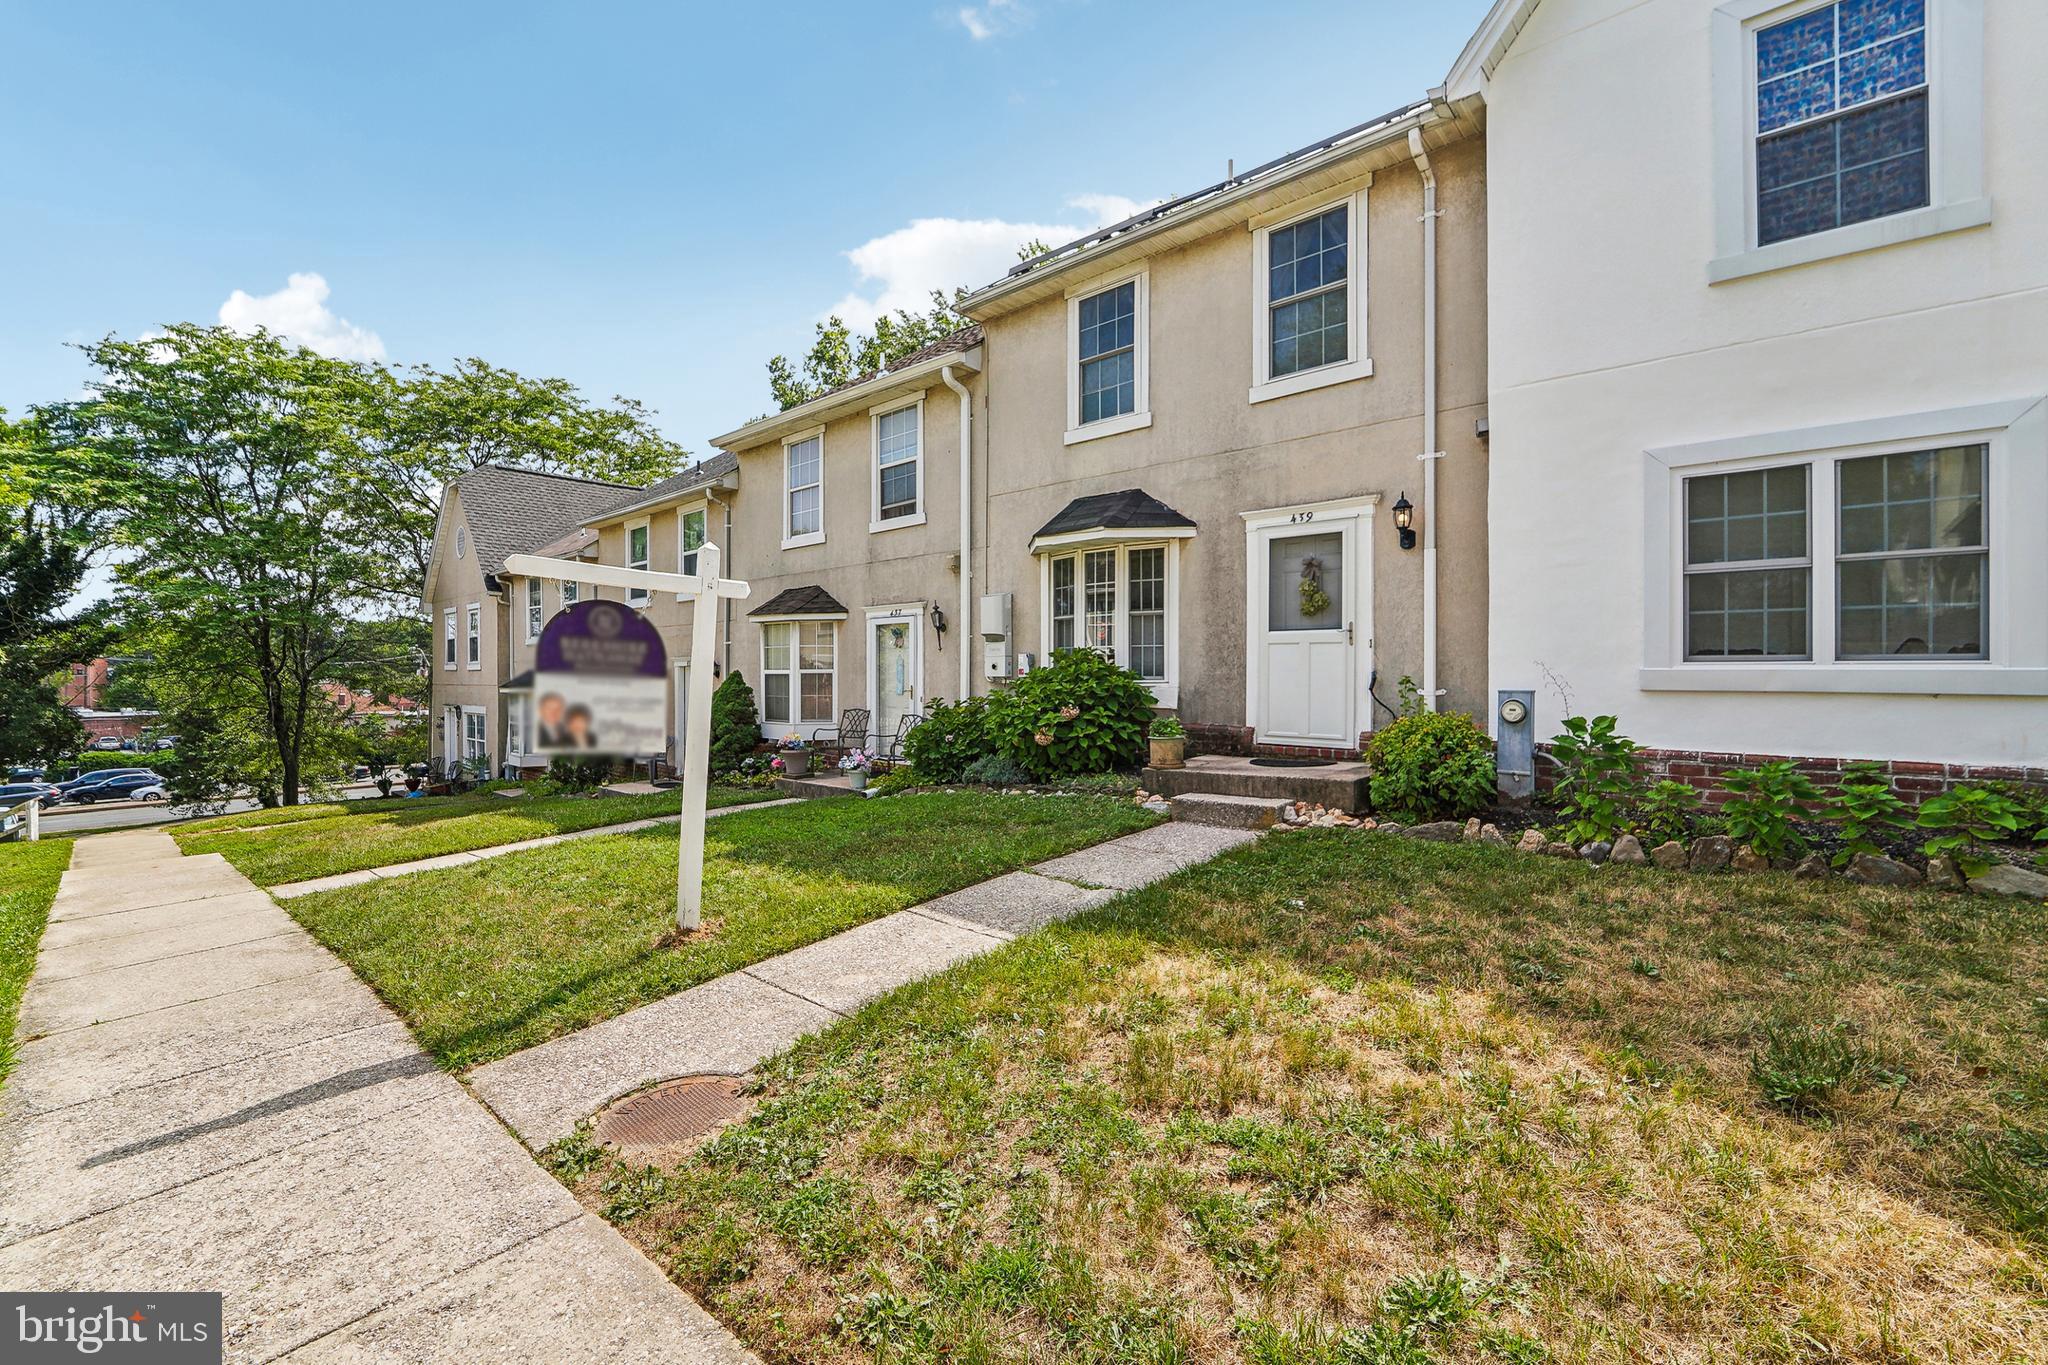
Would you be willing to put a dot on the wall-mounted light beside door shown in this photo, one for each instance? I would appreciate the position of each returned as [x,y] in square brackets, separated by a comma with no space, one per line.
[1404,521]
[939,625]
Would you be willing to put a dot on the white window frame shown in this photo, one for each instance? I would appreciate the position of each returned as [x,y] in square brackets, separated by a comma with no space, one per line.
[1359,366]
[776,729]
[638,597]
[461,541]
[685,558]
[876,522]
[1140,415]
[817,537]
[1955,139]
[1166,690]
[569,592]
[448,653]
[473,635]
[536,610]
[2016,578]
[482,736]
[518,727]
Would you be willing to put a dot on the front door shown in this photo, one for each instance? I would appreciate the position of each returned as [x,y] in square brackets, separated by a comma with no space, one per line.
[1309,612]
[893,672]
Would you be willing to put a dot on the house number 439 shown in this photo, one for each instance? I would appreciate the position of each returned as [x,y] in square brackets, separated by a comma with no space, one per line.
[1301,516]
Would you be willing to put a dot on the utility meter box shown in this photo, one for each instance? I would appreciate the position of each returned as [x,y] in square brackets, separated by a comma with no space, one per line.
[1515,746]
[995,635]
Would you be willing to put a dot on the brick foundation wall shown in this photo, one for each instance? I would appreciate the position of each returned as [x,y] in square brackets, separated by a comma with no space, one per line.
[1703,770]
[1237,741]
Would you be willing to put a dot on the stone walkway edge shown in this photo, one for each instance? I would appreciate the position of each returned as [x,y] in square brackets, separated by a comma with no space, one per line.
[291,890]
[732,1024]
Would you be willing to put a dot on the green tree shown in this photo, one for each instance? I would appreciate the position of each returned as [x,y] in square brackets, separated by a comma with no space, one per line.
[839,355]
[735,724]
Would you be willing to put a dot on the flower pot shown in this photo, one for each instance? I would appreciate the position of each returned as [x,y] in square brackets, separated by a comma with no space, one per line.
[796,762]
[1170,753]
[857,779]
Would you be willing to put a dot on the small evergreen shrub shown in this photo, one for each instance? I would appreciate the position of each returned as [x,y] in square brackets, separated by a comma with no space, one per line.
[951,737]
[1431,765]
[1595,779]
[1768,798]
[1863,803]
[735,724]
[1665,812]
[1079,714]
[995,770]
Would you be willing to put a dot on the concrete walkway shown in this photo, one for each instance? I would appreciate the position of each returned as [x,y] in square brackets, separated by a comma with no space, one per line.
[729,1026]
[289,890]
[208,1100]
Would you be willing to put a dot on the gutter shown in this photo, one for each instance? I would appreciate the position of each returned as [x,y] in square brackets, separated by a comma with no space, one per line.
[764,429]
[966,621]
[1430,453]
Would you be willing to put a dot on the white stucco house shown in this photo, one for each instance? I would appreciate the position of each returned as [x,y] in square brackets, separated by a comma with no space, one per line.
[1768,374]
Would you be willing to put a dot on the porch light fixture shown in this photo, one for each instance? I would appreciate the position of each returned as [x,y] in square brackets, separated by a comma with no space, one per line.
[1404,521]
[939,624]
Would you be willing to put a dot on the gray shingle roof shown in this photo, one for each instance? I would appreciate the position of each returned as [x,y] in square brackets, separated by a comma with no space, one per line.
[516,511]
[705,471]
[806,601]
[1128,509]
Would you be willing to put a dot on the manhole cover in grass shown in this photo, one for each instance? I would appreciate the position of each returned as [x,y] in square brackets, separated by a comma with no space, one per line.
[672,1112]
[1290,763]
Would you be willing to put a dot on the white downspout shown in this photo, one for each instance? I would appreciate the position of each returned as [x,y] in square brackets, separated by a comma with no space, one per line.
[725,612]
[1430,453]
[963,627]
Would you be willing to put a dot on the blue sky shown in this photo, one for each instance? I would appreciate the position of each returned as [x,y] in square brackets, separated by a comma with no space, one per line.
[648,199]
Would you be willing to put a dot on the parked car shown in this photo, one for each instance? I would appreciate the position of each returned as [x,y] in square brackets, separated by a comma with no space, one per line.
[13,792]
[166,742]
[121,787]
[154,791]
[24,773]
[96,777]
[107,744]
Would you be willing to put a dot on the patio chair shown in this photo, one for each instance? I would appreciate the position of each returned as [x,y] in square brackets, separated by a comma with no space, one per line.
[851,733]
[892,748]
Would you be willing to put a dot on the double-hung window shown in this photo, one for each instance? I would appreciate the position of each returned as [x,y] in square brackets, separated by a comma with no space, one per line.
[692,524]
[534,617]
[803,490]
[1108,365]
[571,592]
[636,558]
[475,630]
[1748,567]
[797,672]
[475,747]
[448,638]
[1115,599]
[1911,560]
[517,731]
[899,465]
[1308,319]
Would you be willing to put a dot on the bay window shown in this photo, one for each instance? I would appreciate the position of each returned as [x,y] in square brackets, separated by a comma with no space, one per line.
[798,673]
[1117,599]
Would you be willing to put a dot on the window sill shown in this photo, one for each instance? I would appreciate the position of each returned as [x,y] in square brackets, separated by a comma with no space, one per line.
[798,542]
[1165,695]
[1848,241]
[1109,426]
[1933,680]
[896,523]
[1312,379]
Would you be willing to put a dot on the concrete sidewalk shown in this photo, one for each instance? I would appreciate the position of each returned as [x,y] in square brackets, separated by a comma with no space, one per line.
[206,1099]
[729,1026]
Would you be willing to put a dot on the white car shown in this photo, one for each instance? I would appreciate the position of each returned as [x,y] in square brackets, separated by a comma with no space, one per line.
[153,792]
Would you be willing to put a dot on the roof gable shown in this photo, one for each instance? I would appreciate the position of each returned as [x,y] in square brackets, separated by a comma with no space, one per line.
[1488,48]
[512,511]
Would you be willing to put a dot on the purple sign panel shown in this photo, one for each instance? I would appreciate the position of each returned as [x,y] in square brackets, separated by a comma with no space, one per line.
[600,683]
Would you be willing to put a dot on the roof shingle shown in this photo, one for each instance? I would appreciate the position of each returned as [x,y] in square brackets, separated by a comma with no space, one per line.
[811,600]
[514,511]
[1128,509]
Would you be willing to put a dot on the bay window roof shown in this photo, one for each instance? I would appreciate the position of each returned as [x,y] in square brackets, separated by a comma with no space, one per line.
[1129,509]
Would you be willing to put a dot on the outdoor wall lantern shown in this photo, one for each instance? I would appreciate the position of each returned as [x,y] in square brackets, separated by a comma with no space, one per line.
[939,624]
[1404,522]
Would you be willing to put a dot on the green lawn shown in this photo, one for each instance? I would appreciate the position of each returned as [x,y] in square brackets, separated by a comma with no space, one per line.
[1341,1098]
[28,883]
[351,838]
[486,959]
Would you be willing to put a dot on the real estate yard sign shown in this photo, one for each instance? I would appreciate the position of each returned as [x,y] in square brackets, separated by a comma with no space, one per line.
[600,683]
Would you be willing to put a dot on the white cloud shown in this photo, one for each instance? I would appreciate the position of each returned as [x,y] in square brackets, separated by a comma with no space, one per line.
[993,19]
[299,311]
[900,269]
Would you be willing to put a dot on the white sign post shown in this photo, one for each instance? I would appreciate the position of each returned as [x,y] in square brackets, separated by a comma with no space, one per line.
[707,589]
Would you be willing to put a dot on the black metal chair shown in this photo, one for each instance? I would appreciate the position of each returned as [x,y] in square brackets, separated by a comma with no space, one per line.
[893,749]
[851,733]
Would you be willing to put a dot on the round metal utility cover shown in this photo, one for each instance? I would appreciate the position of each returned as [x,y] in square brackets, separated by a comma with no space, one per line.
[673,1112]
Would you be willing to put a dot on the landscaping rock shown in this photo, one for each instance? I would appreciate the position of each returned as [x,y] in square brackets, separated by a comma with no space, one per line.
[1748,859]
[1437,832]
[1597,852]
[1669,855]
[1491,836]
[1812,868]
[1713,853]
[1560,849]
[1628,851]
[1532,841]
[1472,828]
[2007,880]
[1943,874]
[1390,827]
[1872,870]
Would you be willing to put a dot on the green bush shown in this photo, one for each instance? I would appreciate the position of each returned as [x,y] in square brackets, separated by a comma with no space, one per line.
[1079,714]
[1863,803]
[1768,798]
[735,724]
[895,780]
[995,770]
[1968,818]
[1431,765]
[951,737]
[1596,777]
[1665,812]
[95,761]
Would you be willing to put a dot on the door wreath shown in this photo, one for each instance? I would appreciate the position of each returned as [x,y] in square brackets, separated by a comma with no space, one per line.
[1314,601]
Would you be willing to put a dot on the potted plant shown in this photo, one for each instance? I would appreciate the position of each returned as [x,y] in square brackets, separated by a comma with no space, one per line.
[1169,742]
[857,764]
[795,756]
[384,783]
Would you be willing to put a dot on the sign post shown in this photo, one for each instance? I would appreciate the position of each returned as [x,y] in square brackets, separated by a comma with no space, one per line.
[707,589]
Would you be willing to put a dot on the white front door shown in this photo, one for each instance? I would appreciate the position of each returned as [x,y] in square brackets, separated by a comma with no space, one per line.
[1309,607]
[894,668]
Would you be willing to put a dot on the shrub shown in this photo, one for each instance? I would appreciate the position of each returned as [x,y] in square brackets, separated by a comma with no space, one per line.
[1863,803]
[1079,714]
[568,775]
[1432,765]
[895,780]
[950,738]
[735,724]
[1768,798]
[94,760]
[995,770]
[1596,775]
[1969,817]
[1665,812]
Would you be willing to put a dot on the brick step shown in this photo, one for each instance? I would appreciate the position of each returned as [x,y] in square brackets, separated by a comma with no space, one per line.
[1229,812]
